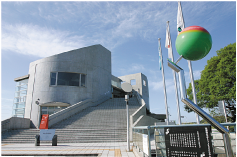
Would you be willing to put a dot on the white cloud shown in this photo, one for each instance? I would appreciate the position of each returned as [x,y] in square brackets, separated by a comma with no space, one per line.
[197,74]
[158,85]
[34,40]
[106,23]
[132,69]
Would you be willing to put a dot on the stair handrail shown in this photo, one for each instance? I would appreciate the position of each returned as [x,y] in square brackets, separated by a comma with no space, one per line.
[64,113]
[73,109]
[141,110]
[139,99]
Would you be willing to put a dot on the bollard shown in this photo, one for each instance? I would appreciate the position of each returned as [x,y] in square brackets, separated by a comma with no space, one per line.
[37,140]
[54,140]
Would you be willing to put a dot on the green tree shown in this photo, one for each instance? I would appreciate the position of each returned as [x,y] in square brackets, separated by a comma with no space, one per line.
[218,82]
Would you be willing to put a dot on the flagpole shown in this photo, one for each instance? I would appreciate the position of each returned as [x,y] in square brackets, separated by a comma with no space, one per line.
[163,75]
[181,23]
[174,74]
[193,88]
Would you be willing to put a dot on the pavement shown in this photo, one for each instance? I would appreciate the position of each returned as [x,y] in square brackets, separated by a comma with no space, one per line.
[118,149]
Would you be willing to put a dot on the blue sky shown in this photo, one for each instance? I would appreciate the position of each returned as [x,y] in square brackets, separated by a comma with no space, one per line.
[130,30]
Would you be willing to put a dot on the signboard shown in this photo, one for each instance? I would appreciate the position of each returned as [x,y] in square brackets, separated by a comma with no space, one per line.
[145,143]
[44,121]
[188,141]
[47,134]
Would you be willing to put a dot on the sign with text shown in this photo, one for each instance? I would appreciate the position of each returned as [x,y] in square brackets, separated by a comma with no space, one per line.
[44,121]
[47,134]
[145,144]
[188,141]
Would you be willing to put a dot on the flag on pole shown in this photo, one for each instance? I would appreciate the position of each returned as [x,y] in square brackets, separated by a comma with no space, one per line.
[180,19]
[159,48]
[168,41]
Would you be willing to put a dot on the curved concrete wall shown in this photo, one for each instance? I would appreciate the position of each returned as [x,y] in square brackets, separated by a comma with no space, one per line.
[94,61]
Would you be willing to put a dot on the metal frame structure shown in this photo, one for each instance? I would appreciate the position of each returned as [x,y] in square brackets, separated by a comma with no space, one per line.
[141,129]
[199,111]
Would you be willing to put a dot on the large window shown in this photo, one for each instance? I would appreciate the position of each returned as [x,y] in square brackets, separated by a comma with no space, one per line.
[67,79]
[51,109]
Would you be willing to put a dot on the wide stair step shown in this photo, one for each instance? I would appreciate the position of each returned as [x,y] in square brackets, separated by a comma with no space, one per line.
[106,122]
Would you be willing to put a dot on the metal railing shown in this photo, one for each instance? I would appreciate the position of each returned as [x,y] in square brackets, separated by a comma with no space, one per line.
[73,109]
[155,143]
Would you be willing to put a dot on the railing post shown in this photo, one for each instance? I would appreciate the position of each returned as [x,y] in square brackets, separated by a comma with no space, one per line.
[149,141]
[227,144]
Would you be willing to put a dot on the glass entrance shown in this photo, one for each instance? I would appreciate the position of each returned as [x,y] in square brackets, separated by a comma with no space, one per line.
[50,109]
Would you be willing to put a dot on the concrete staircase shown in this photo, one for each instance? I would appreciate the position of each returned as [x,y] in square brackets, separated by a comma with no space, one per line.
[106,122]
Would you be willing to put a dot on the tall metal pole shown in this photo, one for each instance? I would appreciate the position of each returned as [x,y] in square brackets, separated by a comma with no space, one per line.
[170,52]
[163,75]
[193,88]
[189,62]
[223,103]
[128,133]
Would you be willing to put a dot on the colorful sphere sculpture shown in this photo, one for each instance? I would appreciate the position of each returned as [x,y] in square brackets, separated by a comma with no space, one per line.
[193,43]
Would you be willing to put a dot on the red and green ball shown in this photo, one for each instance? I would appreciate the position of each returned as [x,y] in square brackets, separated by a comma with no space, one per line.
[193,43]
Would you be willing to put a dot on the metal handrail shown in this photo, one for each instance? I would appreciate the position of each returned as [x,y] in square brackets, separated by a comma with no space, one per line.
[148,128]
[185,125]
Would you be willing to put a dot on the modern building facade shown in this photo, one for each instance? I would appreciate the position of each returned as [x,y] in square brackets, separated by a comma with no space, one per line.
[59,81]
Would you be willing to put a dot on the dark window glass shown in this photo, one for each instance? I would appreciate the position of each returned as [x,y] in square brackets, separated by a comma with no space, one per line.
[83,80]
[44,112]
[50,112]
[53,79]
[68,79]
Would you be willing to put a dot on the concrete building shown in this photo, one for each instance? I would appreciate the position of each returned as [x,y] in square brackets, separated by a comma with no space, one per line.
[63,80]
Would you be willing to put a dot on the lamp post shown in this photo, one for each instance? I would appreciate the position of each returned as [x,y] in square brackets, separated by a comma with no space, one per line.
[127,87]
[128,132]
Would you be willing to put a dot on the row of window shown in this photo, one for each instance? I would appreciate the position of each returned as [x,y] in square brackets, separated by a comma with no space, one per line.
[51,109]
[20,112]
[67,79]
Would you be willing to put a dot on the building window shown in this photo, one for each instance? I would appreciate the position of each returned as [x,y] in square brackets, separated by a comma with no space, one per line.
[83,80]
[144,83]
[51,109]
[67,79]
[53,78]
[133,82]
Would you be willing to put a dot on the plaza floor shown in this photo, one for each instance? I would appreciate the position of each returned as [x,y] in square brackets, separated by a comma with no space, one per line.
[68,149]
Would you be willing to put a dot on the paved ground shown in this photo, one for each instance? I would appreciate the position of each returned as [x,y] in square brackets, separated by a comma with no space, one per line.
[68,149]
